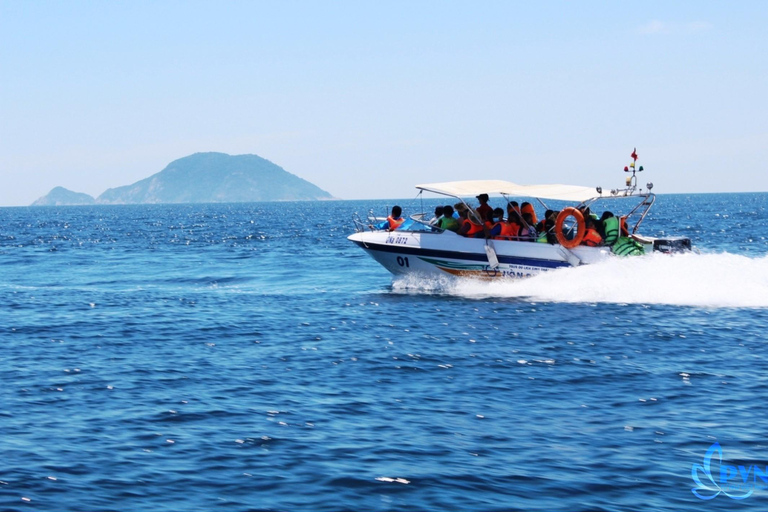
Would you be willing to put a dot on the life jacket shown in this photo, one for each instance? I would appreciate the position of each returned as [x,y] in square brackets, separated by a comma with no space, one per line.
[508,231]
[591,238]
[473,228]
[394,223]
[611,225]
[449,224]
[625,246]
[499,224]
[542,238]
[529,209]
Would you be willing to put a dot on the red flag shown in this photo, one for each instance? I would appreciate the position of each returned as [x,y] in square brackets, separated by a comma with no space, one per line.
[634,154]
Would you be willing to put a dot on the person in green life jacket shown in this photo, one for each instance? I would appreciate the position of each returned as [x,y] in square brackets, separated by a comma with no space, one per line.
[448,222]
[610,224]
[546,228]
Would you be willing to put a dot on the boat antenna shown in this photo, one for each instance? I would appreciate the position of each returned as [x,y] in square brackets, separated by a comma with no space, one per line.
[631,181]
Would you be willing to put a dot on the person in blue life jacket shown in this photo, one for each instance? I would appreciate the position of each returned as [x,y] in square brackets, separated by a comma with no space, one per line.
[496,224]
[394,221]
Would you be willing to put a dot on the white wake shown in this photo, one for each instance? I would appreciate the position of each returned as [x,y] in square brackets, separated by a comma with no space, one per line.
[710,280]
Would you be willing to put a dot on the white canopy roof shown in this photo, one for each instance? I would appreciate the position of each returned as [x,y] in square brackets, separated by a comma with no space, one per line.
[507,188]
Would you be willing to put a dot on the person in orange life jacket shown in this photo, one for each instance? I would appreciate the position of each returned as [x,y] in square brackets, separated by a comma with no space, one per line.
[393,221]
[497,223]
[528,232]
[511,228]
[528,208]
[591,236]
[470,224]
[489,220]
[447,221]
[484,209]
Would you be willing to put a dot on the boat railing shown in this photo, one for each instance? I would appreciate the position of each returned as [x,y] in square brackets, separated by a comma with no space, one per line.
[358,222]
[642,210]
[363,225]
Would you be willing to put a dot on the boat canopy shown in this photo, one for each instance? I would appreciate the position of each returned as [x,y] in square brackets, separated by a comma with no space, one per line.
[507,188]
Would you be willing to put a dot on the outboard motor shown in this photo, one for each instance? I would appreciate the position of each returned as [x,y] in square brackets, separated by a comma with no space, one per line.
[672,245]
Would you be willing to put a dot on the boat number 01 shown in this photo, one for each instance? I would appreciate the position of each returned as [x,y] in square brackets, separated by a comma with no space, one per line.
[403,262]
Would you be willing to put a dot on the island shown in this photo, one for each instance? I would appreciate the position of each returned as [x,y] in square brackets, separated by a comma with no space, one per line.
[202,178]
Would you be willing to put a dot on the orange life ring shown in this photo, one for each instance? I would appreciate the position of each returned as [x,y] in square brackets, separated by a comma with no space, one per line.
[581,227]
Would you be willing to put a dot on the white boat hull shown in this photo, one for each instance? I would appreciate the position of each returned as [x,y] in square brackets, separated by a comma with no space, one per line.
[447,254]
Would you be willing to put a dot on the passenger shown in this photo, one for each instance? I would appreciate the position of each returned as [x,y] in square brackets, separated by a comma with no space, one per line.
[514,222]
[591,236]
[484,209]
[611,228]
[528,208]
[394,221]
[448,222]
[541,226]
[528,232]
[438,215]
[549,225]
[514,205]
[470,225]
[497,225]
[435,222]
[457,209]
[600,224]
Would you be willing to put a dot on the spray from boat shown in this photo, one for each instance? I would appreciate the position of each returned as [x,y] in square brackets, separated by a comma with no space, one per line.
[687,279]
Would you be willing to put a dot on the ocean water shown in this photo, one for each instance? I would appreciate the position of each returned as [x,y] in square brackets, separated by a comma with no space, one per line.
[248,357]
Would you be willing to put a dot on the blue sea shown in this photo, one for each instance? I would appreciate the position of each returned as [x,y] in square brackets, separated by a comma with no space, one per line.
[248,357]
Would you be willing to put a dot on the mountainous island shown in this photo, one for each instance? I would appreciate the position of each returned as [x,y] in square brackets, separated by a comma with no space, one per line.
[202,178]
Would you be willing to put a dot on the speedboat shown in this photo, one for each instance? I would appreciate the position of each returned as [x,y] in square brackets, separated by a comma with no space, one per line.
[418,246]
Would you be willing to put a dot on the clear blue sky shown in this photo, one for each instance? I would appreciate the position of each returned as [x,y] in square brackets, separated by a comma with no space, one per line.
[366,99]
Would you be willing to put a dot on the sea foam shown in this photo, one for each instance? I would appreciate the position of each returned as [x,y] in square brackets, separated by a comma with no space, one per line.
[709,280]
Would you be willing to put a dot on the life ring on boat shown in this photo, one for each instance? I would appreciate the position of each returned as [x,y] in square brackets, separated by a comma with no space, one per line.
[581,227]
